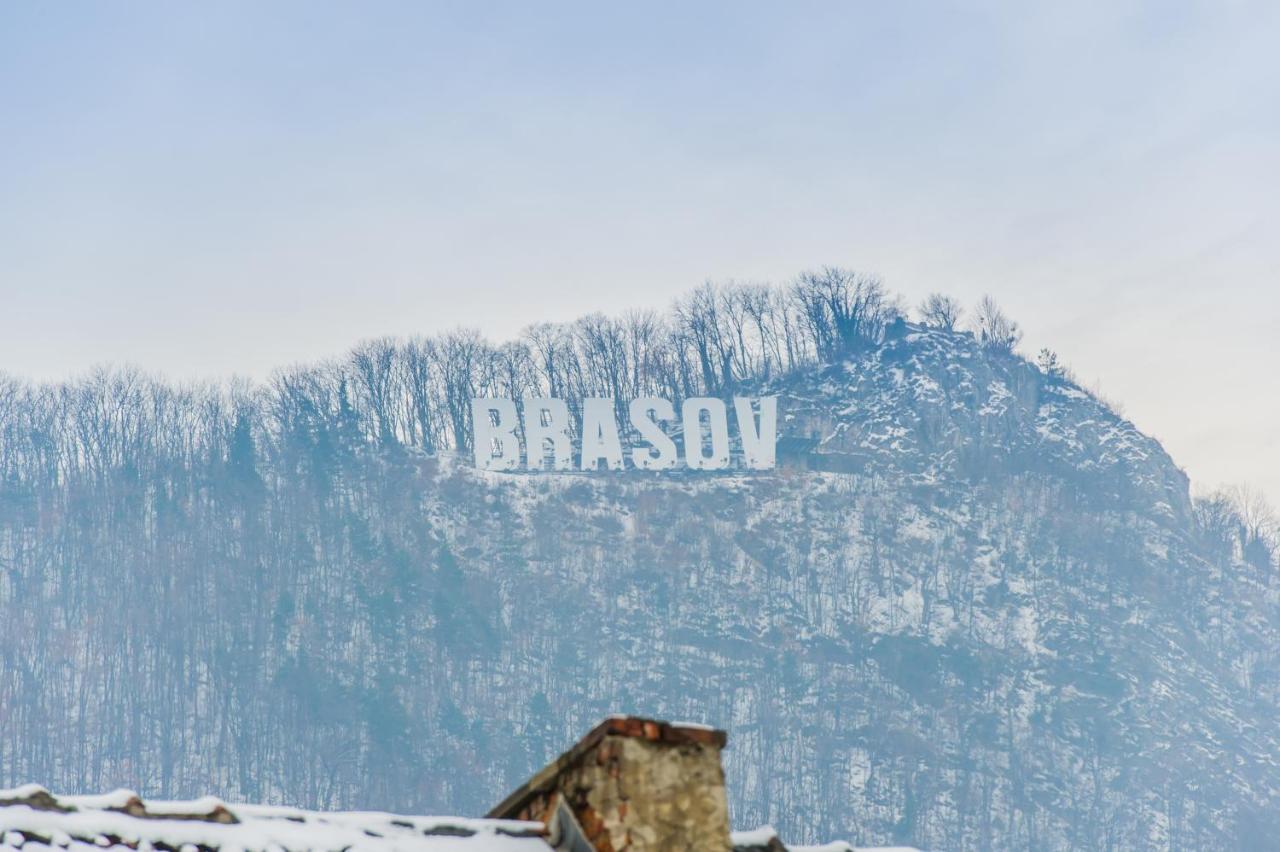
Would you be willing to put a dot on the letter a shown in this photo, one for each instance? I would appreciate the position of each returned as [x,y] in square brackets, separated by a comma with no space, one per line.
[600,434]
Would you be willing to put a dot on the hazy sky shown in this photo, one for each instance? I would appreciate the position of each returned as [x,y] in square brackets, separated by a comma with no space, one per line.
[218,188]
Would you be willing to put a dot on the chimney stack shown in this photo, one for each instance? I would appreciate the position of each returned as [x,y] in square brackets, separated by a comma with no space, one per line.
[631,785]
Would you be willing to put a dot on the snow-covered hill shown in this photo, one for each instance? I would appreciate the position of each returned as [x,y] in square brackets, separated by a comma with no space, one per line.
[972,608]
[972,611]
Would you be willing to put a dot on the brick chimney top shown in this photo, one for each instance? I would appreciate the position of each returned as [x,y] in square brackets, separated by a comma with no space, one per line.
[635,784]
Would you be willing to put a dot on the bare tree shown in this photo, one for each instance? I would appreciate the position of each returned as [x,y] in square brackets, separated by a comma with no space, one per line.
[1051,365]
[371,365]
[760,304]
[463,356]
[602,347]
[422,385]
[846,312]
[941,311]
[551,346]
[517,376]
[1260,526]
[642,332]
[994,329]
[698,317]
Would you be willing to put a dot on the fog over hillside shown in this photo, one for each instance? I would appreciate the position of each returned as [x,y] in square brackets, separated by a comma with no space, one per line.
[972,607]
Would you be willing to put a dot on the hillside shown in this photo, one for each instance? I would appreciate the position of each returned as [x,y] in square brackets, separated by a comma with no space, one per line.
[973,608]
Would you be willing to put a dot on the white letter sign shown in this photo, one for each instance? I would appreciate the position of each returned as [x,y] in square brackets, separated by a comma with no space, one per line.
[544,438]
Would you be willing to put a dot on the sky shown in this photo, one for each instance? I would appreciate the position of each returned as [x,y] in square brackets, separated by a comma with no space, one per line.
[217,189]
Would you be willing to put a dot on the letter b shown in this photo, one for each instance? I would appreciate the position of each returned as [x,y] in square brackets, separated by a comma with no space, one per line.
[493,430]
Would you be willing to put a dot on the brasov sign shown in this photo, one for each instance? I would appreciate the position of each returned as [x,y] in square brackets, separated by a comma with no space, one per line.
[546,434]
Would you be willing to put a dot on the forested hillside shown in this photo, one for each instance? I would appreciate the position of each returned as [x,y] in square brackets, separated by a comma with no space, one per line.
[973,607]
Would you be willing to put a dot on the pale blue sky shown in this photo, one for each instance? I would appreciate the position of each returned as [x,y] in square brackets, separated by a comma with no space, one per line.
[204,190]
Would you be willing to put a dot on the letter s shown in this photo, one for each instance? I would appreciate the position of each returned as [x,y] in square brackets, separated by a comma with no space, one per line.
[663,455]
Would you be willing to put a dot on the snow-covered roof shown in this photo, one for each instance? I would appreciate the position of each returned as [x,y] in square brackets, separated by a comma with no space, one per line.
[33,819]
[765,839]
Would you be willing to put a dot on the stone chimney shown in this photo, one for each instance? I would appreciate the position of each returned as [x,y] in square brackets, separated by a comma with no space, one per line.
[631,785]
